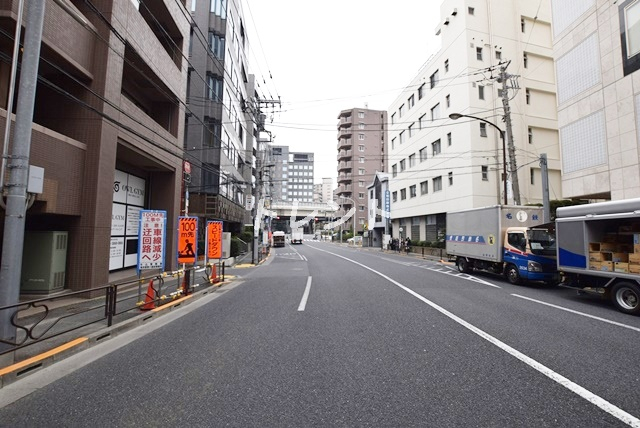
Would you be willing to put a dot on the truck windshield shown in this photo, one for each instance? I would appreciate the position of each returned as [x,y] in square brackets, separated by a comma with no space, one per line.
[542,242]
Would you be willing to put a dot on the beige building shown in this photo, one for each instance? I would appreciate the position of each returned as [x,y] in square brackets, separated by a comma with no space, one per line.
[361,137]
[438,164]
[597,52]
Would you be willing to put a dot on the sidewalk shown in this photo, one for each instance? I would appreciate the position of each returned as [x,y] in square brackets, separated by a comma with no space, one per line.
[85,318]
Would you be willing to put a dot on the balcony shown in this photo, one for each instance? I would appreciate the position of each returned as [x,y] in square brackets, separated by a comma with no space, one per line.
[345,123]
[344,143]
[344,155]
[344,178]
[344,166]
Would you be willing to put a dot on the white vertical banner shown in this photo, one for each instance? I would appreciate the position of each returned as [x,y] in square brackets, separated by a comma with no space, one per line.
[373,203]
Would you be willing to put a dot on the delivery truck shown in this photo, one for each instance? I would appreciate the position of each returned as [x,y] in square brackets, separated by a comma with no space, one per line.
[296,235]
[598,250]
[506,240]
[278,239]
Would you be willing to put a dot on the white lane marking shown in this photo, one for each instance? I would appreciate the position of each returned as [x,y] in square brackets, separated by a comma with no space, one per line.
[578,313]
[296,251]
[600,402]
[305,296]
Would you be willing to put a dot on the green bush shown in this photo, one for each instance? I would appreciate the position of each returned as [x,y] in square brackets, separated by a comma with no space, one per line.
[236,245]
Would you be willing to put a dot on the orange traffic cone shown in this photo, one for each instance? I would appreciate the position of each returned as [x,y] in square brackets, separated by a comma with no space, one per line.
[149,298]
[214,275]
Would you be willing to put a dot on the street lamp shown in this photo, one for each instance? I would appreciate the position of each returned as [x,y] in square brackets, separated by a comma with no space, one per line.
[456,116]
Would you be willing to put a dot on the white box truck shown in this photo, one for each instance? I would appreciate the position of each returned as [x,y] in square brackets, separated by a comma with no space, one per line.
[507,240]
[598,248]
[296,235]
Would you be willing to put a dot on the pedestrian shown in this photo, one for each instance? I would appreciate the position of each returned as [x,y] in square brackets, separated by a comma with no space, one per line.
[408,245]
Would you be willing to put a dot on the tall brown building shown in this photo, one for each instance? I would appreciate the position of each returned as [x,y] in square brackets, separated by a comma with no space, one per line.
[108,127]
[361,152]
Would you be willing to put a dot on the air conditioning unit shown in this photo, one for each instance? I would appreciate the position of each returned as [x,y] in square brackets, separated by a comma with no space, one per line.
[44,262]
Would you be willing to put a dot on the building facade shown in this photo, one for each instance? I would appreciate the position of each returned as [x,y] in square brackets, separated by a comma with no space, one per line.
[107,128]
[597,58]
[361,153]
[292,176]
[438,164]
[219,127]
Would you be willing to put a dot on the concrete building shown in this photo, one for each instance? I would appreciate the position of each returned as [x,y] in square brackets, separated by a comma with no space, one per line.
[323,192]
[220,131]
[438,164]
[108,130]
[361,153]
[597,58]
[378,221]
[292,175]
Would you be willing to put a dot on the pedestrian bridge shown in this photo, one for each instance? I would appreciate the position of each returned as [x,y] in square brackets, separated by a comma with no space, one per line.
[303,209]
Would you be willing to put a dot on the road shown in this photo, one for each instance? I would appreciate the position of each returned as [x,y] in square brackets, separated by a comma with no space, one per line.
[325,335]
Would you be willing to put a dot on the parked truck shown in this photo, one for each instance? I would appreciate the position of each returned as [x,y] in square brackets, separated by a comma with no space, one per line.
[507,240]
[278,239]
[598,250]
[296,235]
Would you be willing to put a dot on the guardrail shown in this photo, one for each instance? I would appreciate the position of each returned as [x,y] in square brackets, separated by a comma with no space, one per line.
[41,320]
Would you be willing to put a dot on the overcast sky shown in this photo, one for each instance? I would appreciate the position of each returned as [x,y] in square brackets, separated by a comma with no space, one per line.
[321,57]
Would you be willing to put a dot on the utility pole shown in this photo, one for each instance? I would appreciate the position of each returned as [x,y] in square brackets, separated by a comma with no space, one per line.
[513,168]
[545,188]
[16,205]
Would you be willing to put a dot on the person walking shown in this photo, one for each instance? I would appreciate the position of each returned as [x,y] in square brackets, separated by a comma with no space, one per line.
[407,245]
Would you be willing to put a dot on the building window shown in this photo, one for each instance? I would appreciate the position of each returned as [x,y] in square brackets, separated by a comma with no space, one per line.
[216,45]
[361,115]
[437,184]
[483,129]
[401,110]
[421,91]
[449,139]
[498,55]
[402,165]
[360,183]
[412,191]
[403,194]
[421,121]
[448,100]
[481,92]
[479,54]
[401,137]
[532,175]
[361,125]
[361,147]
[393,143]
[485,173]
[450,178]
[394,196]
[412,160]
[435,148]
[214,88]
[393,118]
[360,171]
[424,187]
[629,18]
[471,10]
[423,154]
[435,112]
[360,195]
[360,137]
[522,27]
[411,102]
[361,159]
[530,134]
[411,130]
[446,65]
[433,79]
[525,60]
[527,96]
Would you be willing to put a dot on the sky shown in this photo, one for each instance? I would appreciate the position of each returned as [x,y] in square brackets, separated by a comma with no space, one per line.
[322,57]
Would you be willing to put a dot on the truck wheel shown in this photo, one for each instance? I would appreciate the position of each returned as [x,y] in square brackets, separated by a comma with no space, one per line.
[463,265]
[512,274]
[626,297]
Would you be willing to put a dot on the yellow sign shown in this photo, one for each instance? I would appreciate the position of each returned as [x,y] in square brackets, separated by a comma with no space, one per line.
[491,239]
[214,240]
[187,239]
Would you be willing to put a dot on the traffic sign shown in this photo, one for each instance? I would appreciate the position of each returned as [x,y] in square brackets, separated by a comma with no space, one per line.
[187,239]
[151,239]
[214,240]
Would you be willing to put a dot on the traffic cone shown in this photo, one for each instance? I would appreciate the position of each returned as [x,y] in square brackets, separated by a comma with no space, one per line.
[149,298]
[214,275]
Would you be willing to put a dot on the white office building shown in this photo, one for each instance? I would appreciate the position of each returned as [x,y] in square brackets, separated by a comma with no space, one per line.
[597,53]
[438,164]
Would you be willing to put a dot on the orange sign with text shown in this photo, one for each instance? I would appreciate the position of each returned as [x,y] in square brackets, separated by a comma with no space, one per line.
[187,239]
[214,240]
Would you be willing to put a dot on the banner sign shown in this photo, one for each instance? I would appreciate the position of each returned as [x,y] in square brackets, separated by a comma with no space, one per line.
[187,240]
[151,239]
[214,240]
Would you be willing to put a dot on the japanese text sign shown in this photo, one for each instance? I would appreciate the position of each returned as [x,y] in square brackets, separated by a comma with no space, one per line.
[187,239]
[214,240]
[151,239]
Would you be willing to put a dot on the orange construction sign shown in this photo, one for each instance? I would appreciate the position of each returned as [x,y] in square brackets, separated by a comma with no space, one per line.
[187,239]
[214,240]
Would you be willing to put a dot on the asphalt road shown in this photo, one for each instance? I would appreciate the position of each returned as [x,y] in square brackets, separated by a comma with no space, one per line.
[323,335]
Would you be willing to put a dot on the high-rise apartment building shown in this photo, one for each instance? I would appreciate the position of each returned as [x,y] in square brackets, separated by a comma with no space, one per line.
[220,132]
[596,47]
[108,128]
[438,164]
[361,153]
[292,175]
